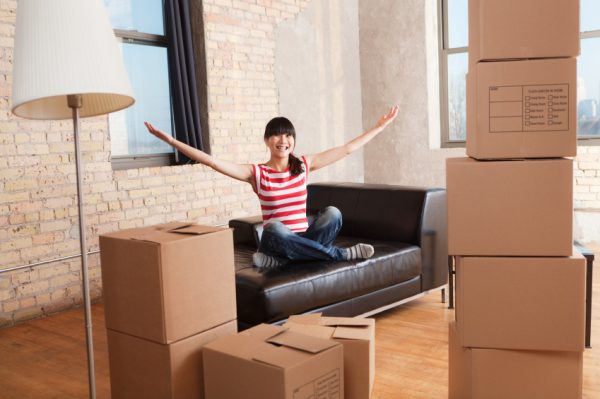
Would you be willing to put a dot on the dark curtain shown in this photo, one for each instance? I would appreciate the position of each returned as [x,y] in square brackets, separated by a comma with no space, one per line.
[184,88]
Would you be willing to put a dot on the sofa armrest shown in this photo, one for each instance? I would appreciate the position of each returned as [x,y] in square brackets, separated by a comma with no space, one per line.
[247,231]
[434,241]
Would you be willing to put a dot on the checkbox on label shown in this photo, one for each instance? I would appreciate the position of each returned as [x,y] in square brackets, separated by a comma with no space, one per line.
[527,104]
[550,122]
[550,103]
[550,97]
[527,98]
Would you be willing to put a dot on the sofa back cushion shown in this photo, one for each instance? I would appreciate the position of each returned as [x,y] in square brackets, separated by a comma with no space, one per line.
[377,211]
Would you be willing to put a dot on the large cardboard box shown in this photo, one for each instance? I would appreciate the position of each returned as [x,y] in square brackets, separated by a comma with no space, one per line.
[145,369]
[521,303]
[522,109]
[168,282]
[510,208]
[271,362]
[501,374]
[505,29]
[357,336]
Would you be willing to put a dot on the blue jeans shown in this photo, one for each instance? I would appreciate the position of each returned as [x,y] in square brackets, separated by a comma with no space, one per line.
[313,244]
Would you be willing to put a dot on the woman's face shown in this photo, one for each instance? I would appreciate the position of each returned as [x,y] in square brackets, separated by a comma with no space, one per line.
[280,145]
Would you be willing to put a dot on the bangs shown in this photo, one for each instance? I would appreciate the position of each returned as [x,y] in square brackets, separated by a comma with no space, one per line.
[278,126]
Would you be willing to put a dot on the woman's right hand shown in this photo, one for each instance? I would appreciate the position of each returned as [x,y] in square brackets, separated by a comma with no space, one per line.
[158,133]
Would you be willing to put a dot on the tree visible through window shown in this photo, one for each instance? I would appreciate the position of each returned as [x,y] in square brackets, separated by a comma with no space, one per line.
[454,66]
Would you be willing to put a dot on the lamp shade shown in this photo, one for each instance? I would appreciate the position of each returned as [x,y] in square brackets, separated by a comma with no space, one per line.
[66,47]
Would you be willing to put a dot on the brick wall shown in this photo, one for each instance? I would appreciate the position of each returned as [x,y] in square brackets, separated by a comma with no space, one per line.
[38,209]
[587,178]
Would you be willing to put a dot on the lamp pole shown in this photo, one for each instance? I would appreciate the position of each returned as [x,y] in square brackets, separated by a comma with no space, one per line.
[75,102]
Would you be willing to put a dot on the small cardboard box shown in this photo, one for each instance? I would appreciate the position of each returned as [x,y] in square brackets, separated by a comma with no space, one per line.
[500,374]
[271,362]
[168,282]
[510,208]
[521,303]
[509,29]
[145,369]
[522,109]
[358,338]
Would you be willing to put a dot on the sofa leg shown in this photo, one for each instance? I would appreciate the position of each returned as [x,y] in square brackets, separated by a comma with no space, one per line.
[443,295]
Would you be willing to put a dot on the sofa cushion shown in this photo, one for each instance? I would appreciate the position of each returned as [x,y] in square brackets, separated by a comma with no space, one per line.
[272,295]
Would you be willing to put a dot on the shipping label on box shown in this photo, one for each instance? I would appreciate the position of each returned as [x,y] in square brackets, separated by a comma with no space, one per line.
[271,362]
[515,29]
[510,208]
[168,282]
[142,369]
[522,109]
[528,303]
[358,337]
[500,374]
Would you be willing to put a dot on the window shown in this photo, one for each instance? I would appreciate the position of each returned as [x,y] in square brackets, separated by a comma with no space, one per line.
[588,72]
[139,26]
[454,65]
[453,69]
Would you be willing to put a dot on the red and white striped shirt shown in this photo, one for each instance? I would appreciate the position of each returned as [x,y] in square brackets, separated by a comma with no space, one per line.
[282,196]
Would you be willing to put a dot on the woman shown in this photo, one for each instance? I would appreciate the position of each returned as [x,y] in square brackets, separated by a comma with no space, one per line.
[280,184]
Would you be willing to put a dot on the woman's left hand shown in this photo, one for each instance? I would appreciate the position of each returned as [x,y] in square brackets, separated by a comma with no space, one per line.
[388,118]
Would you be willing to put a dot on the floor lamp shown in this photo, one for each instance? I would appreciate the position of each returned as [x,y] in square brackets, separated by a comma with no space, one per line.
[67,64]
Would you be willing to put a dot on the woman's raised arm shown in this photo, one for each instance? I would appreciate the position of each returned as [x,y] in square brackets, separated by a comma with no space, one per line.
[237,171]
[327,157]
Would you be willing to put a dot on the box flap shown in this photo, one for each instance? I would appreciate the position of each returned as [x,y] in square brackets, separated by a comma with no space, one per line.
[306,343]
[263,331]
[154,236]
[312,318]
[324,332]
[356,332]
[194,229]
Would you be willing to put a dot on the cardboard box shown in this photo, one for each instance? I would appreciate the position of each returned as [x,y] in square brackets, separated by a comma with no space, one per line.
[521,303]
[522,109]
[168,282]
[271,362]
[510,208]
[501,374]
[507,29]
[358,338]
[145,369]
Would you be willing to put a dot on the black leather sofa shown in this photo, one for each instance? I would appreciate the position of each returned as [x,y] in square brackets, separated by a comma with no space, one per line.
[407,227]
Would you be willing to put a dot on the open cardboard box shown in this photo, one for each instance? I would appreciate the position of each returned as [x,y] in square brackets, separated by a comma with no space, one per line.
[271,362]
[168,282]
[357,336]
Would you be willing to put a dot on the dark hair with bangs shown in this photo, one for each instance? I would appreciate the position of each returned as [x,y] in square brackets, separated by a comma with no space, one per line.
[278,126]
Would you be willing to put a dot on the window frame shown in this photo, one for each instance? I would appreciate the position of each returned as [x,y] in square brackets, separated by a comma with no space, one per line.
[445,51]
[122,162]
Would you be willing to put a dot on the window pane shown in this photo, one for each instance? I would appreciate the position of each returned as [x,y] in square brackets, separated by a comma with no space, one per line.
[137,15]
[148,72]
[457,95]
[458,24]
[590,15]
[588,88]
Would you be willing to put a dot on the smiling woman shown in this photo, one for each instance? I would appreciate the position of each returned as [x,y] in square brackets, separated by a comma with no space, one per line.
[280,184]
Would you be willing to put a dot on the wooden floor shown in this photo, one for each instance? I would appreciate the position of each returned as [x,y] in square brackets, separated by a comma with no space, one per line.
[46,358]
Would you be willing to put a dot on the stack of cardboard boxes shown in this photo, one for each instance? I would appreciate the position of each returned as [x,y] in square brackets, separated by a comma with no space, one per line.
[520,295]
[170,310]
[168,290]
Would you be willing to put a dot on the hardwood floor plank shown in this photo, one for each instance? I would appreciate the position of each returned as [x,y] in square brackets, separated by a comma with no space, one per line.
[46,358]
